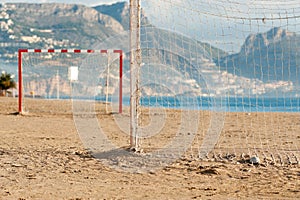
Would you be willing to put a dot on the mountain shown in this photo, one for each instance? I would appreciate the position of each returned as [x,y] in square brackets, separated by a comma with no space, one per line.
[77,26]
[269,57]
[52,26]
[118,11]
[171,61]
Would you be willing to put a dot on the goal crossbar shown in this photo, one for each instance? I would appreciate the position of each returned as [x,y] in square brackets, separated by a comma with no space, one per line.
[88,51]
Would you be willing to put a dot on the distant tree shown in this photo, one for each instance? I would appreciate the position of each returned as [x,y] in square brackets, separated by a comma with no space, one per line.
[6,82]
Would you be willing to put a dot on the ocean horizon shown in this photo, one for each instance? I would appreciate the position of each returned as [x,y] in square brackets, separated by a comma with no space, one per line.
[226,104]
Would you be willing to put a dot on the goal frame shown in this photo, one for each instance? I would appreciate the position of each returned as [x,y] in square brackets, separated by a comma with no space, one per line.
[87,51]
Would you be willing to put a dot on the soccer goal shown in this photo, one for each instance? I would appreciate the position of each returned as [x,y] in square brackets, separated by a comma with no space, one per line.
[47,77]
[217,80]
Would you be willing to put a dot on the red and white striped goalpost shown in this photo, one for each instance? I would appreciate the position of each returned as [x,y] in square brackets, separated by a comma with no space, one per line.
[21,51]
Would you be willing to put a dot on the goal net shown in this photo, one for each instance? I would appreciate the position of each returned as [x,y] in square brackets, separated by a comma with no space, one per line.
[52,75]
[218,80]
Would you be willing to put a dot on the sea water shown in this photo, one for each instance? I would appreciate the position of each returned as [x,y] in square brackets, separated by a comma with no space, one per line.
[228,104]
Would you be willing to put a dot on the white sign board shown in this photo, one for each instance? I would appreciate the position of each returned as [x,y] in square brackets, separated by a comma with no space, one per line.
[73,73]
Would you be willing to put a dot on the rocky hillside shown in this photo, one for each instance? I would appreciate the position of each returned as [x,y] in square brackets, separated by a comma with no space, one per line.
[270,56]
[52,26]
[119,11]
[268,63]
[78,26]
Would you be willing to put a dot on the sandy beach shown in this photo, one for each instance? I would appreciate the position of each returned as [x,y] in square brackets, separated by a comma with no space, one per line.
[42,157]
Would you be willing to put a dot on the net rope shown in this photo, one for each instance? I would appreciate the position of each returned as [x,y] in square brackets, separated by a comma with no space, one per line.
[234,63]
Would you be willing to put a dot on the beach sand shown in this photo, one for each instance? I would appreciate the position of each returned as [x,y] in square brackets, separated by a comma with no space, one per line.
[42,157]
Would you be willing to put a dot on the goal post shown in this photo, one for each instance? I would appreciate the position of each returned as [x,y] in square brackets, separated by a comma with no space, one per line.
[239,77]
[135,64]
[22,52]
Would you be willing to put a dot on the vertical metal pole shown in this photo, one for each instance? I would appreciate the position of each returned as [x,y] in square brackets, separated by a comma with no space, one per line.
[120,52]
[20,81]
[135,62]
[57,85]
[121,83]
[107,83]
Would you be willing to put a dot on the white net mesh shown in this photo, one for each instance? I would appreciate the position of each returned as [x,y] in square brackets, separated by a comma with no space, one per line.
[235,63]
[218,80]
[52,76]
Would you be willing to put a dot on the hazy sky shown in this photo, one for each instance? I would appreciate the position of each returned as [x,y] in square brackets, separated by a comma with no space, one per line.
[85,2]
[223,23]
